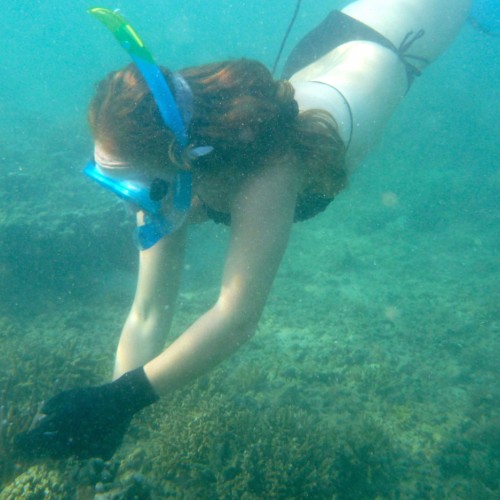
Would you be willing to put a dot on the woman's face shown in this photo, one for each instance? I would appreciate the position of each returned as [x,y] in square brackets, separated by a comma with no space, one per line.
[120,169]
[161,198]
[145,187]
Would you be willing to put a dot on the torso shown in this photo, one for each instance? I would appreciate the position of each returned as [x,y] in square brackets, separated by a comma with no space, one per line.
[372,80]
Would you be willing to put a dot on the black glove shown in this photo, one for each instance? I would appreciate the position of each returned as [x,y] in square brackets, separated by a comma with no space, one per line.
[87,421]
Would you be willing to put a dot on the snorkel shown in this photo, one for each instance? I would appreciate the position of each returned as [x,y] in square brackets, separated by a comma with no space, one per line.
[176,115]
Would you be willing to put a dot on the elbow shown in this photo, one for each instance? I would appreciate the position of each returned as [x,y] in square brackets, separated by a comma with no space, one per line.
[241,321]
[243,328]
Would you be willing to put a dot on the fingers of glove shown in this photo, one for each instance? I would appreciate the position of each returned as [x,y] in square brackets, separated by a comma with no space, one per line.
[81,422]
[56,438]
[43,443]
[40,443]
[55,434]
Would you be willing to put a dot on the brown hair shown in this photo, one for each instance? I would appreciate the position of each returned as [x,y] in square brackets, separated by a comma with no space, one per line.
[239,109]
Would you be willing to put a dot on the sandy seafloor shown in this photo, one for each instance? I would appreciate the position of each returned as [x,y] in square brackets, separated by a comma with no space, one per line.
[374,372]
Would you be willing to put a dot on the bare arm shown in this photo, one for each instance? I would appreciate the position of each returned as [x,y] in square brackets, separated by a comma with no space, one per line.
[150,317]
[262,215]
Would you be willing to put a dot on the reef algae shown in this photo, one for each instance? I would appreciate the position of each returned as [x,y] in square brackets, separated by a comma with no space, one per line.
[240,448]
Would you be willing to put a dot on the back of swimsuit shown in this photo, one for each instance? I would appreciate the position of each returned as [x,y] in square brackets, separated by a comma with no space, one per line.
[337,29]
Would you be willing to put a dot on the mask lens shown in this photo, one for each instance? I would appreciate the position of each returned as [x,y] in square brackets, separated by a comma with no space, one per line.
[158,190]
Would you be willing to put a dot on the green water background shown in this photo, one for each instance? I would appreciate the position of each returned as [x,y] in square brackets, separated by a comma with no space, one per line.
[381,333]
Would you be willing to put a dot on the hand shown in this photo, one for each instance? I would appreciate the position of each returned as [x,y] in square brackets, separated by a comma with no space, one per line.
[88,421]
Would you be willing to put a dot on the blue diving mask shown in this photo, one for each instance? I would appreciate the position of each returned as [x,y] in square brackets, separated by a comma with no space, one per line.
[165,201]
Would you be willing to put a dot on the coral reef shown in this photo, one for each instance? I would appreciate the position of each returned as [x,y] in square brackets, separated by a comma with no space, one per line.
[38,482]
[28,376]
[207,444]
[470,458]
[12,421]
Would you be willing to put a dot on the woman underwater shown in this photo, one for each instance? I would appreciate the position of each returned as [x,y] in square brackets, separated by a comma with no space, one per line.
[242,149]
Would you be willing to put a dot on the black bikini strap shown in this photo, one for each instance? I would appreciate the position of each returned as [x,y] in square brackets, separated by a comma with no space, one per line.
[339,28]
[411,71]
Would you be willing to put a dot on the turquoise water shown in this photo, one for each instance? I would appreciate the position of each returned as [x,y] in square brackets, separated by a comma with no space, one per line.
[374,372]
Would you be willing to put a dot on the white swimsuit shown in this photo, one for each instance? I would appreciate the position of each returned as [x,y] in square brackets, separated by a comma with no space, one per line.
[361,82]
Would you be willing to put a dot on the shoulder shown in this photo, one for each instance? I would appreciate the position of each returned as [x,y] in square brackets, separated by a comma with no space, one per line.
[277,174]
[264,206]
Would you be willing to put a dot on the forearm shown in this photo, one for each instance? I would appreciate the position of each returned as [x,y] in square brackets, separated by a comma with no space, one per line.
[140,341]
[206,343]
[147,325]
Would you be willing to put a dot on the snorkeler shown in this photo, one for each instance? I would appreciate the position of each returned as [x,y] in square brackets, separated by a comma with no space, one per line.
[226,142]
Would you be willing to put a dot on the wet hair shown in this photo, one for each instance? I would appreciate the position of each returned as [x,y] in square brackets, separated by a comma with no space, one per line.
[238,108]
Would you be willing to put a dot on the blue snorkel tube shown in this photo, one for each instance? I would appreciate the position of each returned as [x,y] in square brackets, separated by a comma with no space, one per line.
[130,41]
[157,225]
